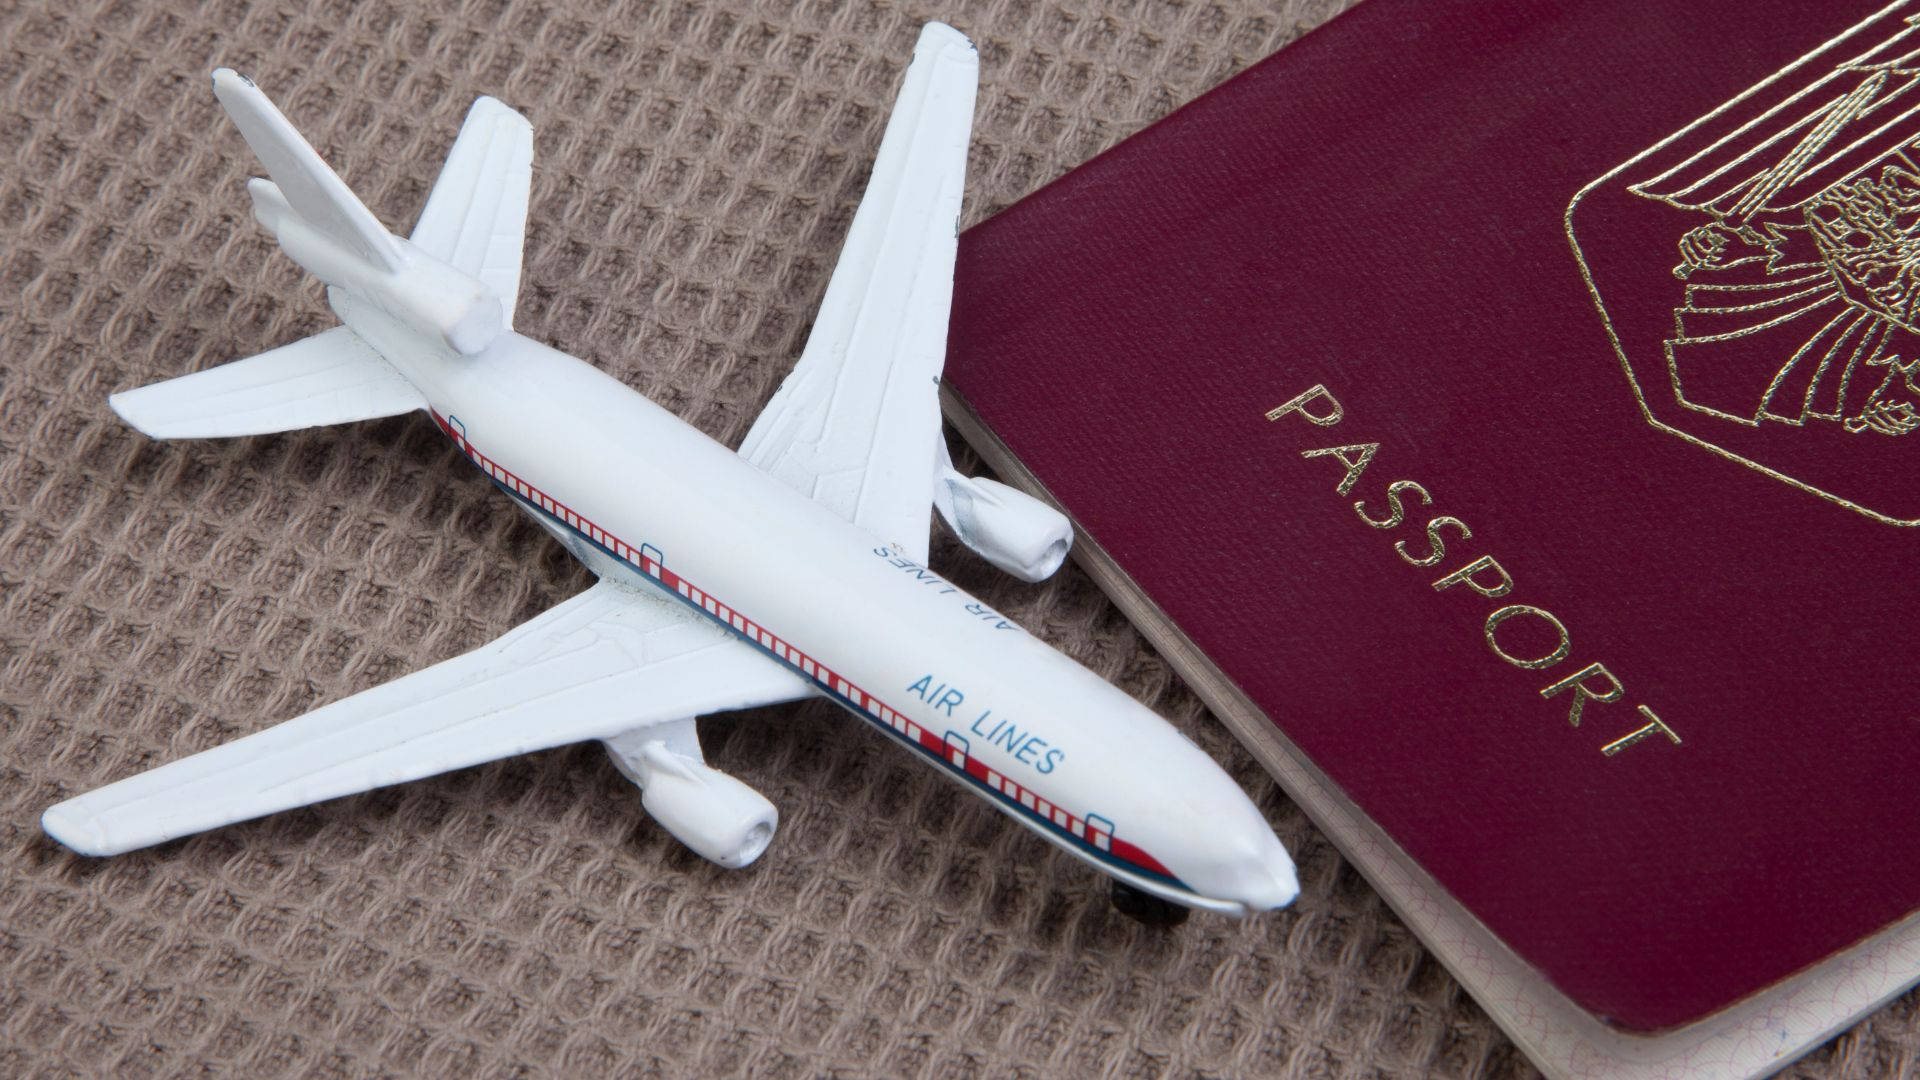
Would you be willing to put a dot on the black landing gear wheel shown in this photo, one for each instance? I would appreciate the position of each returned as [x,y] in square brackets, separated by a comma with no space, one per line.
[1144,907]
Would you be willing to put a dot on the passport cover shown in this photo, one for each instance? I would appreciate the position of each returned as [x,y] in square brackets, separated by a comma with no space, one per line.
[1511,399]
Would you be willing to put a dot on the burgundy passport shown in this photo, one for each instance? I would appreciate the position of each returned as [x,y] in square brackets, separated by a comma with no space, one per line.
[1516,400]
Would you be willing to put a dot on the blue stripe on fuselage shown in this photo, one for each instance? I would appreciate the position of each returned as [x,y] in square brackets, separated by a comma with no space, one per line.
[1053,829]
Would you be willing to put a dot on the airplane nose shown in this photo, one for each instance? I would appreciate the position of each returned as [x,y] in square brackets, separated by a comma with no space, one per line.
[1265,877]
[1273,885]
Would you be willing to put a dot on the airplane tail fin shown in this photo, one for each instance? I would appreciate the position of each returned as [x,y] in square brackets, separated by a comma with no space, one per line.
[302,187]
[323,227]
[456,279]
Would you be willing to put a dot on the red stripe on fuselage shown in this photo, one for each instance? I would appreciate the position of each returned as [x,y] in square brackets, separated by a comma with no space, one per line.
[1029,803]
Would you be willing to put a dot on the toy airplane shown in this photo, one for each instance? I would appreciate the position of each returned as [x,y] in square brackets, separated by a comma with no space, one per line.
[792,569]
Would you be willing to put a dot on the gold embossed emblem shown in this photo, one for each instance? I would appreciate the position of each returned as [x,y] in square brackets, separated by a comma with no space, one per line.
[1759,271]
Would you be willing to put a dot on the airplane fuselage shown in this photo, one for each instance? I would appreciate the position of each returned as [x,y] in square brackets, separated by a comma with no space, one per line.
[647,500]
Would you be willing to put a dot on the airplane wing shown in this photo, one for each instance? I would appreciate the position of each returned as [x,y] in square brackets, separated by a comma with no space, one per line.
[856,425]
[605,662]
[330,378]
[476,216]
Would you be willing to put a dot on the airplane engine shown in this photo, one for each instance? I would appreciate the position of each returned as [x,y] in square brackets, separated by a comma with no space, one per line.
[719,817]
[1009,528]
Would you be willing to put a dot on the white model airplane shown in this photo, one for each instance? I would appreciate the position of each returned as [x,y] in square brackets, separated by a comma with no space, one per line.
[793,569]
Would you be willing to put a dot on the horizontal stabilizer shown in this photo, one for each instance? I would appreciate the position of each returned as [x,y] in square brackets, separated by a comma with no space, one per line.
[476,217]
[330,378]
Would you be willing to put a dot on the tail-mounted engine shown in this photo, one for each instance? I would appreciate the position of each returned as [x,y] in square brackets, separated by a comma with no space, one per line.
[717,816]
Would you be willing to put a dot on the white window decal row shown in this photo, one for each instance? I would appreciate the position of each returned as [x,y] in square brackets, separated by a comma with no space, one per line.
[1093,828]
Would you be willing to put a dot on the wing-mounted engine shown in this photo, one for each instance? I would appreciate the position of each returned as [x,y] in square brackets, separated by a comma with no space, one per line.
[1009,528]
[720,818]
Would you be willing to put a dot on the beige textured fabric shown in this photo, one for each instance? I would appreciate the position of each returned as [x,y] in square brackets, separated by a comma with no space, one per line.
[696,165]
